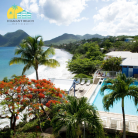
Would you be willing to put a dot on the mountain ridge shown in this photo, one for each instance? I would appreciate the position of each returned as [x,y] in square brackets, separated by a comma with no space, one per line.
[15,38]
[71,38]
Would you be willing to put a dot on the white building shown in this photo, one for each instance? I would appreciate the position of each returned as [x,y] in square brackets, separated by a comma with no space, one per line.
[129,62]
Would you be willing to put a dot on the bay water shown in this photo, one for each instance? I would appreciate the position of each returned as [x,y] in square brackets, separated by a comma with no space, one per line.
[44,72]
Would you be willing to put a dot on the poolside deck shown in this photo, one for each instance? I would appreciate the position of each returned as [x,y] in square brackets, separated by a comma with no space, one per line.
[115,121]
[90,91]
[79,93]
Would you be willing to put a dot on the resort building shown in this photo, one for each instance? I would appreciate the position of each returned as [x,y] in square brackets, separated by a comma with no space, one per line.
[129,62]
[24,15]
[128,39]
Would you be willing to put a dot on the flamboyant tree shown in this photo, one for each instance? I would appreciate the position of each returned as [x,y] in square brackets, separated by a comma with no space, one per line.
[21,94]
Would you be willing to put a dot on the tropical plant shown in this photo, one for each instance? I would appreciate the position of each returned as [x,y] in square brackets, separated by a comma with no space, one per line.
[84,66]
[73,114]
[14,7]
[112,64]
[20,93]
[32,54]
[120,88]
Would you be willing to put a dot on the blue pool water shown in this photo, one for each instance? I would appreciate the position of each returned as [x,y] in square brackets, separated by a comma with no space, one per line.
[130,107]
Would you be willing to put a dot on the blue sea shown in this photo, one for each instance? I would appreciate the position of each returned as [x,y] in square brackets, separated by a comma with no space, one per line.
[7,53]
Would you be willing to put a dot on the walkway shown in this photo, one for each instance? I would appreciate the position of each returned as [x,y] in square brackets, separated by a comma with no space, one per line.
[90,91]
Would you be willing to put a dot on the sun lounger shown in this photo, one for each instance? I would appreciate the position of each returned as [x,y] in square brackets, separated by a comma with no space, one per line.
[113,123]
[78,81]
[82,82]
[88,82]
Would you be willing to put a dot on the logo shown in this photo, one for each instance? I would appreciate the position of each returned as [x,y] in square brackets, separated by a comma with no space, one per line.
[18,14]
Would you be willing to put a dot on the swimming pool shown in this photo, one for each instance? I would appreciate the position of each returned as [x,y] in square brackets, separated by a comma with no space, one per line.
[130,108]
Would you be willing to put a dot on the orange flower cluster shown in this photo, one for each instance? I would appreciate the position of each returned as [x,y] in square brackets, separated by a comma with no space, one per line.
[29,96]
[7,98]
[41,95]
[36,106]
[19,96]
[51,101]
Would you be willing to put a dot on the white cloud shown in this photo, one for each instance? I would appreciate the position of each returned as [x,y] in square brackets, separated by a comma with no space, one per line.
[83,18]
[105,0]
[120,17]
[57,11]
[30,5]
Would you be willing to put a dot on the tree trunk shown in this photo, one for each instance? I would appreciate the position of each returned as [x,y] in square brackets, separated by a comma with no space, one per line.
[13,122]
[124,125]
[37,74]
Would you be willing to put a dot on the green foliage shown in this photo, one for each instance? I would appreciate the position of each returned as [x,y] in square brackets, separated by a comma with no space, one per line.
[5,79]
[86,60]
[29,126]
[79,66]
[106,44]
[134,47]
[82,76]
[27,135]
[72,114]
[6,133]
[112,64]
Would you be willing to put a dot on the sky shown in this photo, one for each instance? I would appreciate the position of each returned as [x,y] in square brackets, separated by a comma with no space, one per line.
[53,18]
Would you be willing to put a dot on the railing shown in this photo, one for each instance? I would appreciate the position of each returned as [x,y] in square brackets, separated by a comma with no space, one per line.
[86,79]
[117,124]
[102,73]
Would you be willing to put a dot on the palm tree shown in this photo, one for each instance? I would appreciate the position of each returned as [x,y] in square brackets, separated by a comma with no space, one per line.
[120,88]
[32,55]
[14,7]
[73,114]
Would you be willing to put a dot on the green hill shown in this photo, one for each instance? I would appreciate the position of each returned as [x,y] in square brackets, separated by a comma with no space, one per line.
[13,38]
[67,38]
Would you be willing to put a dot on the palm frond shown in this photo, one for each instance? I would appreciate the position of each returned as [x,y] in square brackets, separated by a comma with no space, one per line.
[49,51]
[41,42]
[50,63]
[18,60]
[27,66]
[72,114]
